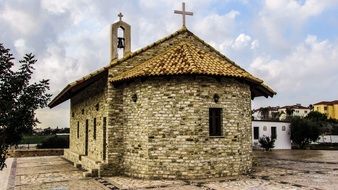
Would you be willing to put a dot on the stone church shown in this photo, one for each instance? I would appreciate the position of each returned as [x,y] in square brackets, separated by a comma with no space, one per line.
[176,109]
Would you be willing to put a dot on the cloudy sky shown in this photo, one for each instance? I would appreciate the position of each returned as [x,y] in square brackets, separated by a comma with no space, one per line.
[291,44]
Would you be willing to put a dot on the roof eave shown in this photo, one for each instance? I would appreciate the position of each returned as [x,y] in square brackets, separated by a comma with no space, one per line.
[74,87]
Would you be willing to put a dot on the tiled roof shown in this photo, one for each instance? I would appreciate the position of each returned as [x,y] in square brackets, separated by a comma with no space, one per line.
[182,58]
[186,58]
[327,102]
[297,106]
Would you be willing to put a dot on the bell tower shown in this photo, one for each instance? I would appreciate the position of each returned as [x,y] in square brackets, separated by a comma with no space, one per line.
[120,39]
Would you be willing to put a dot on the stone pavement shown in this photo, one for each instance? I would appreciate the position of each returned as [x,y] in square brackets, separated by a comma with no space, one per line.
[290,169]
[50,172]
[5,174]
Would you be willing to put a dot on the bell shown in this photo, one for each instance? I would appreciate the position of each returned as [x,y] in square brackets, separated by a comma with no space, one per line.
[120,42]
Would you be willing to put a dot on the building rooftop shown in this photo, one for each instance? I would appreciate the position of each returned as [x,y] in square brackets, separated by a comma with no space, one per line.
[327,102]
[187,57]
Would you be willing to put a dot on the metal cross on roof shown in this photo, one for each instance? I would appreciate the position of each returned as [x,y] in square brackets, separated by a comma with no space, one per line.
[120,15]
[183,13]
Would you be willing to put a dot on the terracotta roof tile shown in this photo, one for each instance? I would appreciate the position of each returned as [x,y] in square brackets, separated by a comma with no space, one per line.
[190,59]
[186,58]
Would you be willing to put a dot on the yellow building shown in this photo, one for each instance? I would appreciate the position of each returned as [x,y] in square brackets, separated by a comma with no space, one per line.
[328,108]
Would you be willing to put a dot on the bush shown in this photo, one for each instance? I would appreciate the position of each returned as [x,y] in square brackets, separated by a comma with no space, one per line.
[34,139]
[267,143]
[55,142]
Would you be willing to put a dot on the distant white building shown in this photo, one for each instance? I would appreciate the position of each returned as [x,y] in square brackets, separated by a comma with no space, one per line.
[266,113]
[328,139]
[280,113]
[275,129]
[296,110]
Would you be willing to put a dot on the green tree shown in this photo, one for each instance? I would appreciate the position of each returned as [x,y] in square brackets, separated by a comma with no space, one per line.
[316,116]
[19,98]
[265,113]
[289,113]
[326,126]
[303,131]
[334,129]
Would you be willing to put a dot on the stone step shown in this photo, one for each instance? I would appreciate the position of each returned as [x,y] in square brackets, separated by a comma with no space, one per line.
[91,173]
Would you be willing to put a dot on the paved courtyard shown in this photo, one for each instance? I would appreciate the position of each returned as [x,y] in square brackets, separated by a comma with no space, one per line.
[294,169]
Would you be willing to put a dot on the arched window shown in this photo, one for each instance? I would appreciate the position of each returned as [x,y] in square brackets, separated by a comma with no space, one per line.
[120,42]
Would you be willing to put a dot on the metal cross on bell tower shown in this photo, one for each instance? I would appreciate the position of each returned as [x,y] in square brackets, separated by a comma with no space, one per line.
[120,40]
[120,15]
[183,13]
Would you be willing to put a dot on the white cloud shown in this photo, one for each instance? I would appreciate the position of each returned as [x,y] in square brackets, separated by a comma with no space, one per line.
[19,21]
[241,41]
[305,73]
[211,26]
[292,8]
[57,7]
[254,44]
[20,45]
[282,20]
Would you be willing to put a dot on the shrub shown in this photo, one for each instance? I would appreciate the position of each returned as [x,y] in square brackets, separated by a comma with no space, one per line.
[55,142]
[267,143]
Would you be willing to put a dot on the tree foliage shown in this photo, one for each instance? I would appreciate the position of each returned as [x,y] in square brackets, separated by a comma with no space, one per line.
[326,126]
[265,113]
[316,116]
[51,131]
[18,99]
[303,131]
[55,142]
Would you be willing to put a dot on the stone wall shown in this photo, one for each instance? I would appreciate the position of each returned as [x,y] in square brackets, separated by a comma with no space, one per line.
[116,115]
[129,151]
[88,104]
[166,131]
[72,156]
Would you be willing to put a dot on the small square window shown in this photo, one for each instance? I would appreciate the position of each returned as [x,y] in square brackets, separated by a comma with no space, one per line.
[283,128]
[215,121]
[264,128]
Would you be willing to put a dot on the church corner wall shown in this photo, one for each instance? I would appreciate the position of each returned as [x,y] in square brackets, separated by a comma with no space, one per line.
[166,131]
[86,105]
[114,131]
